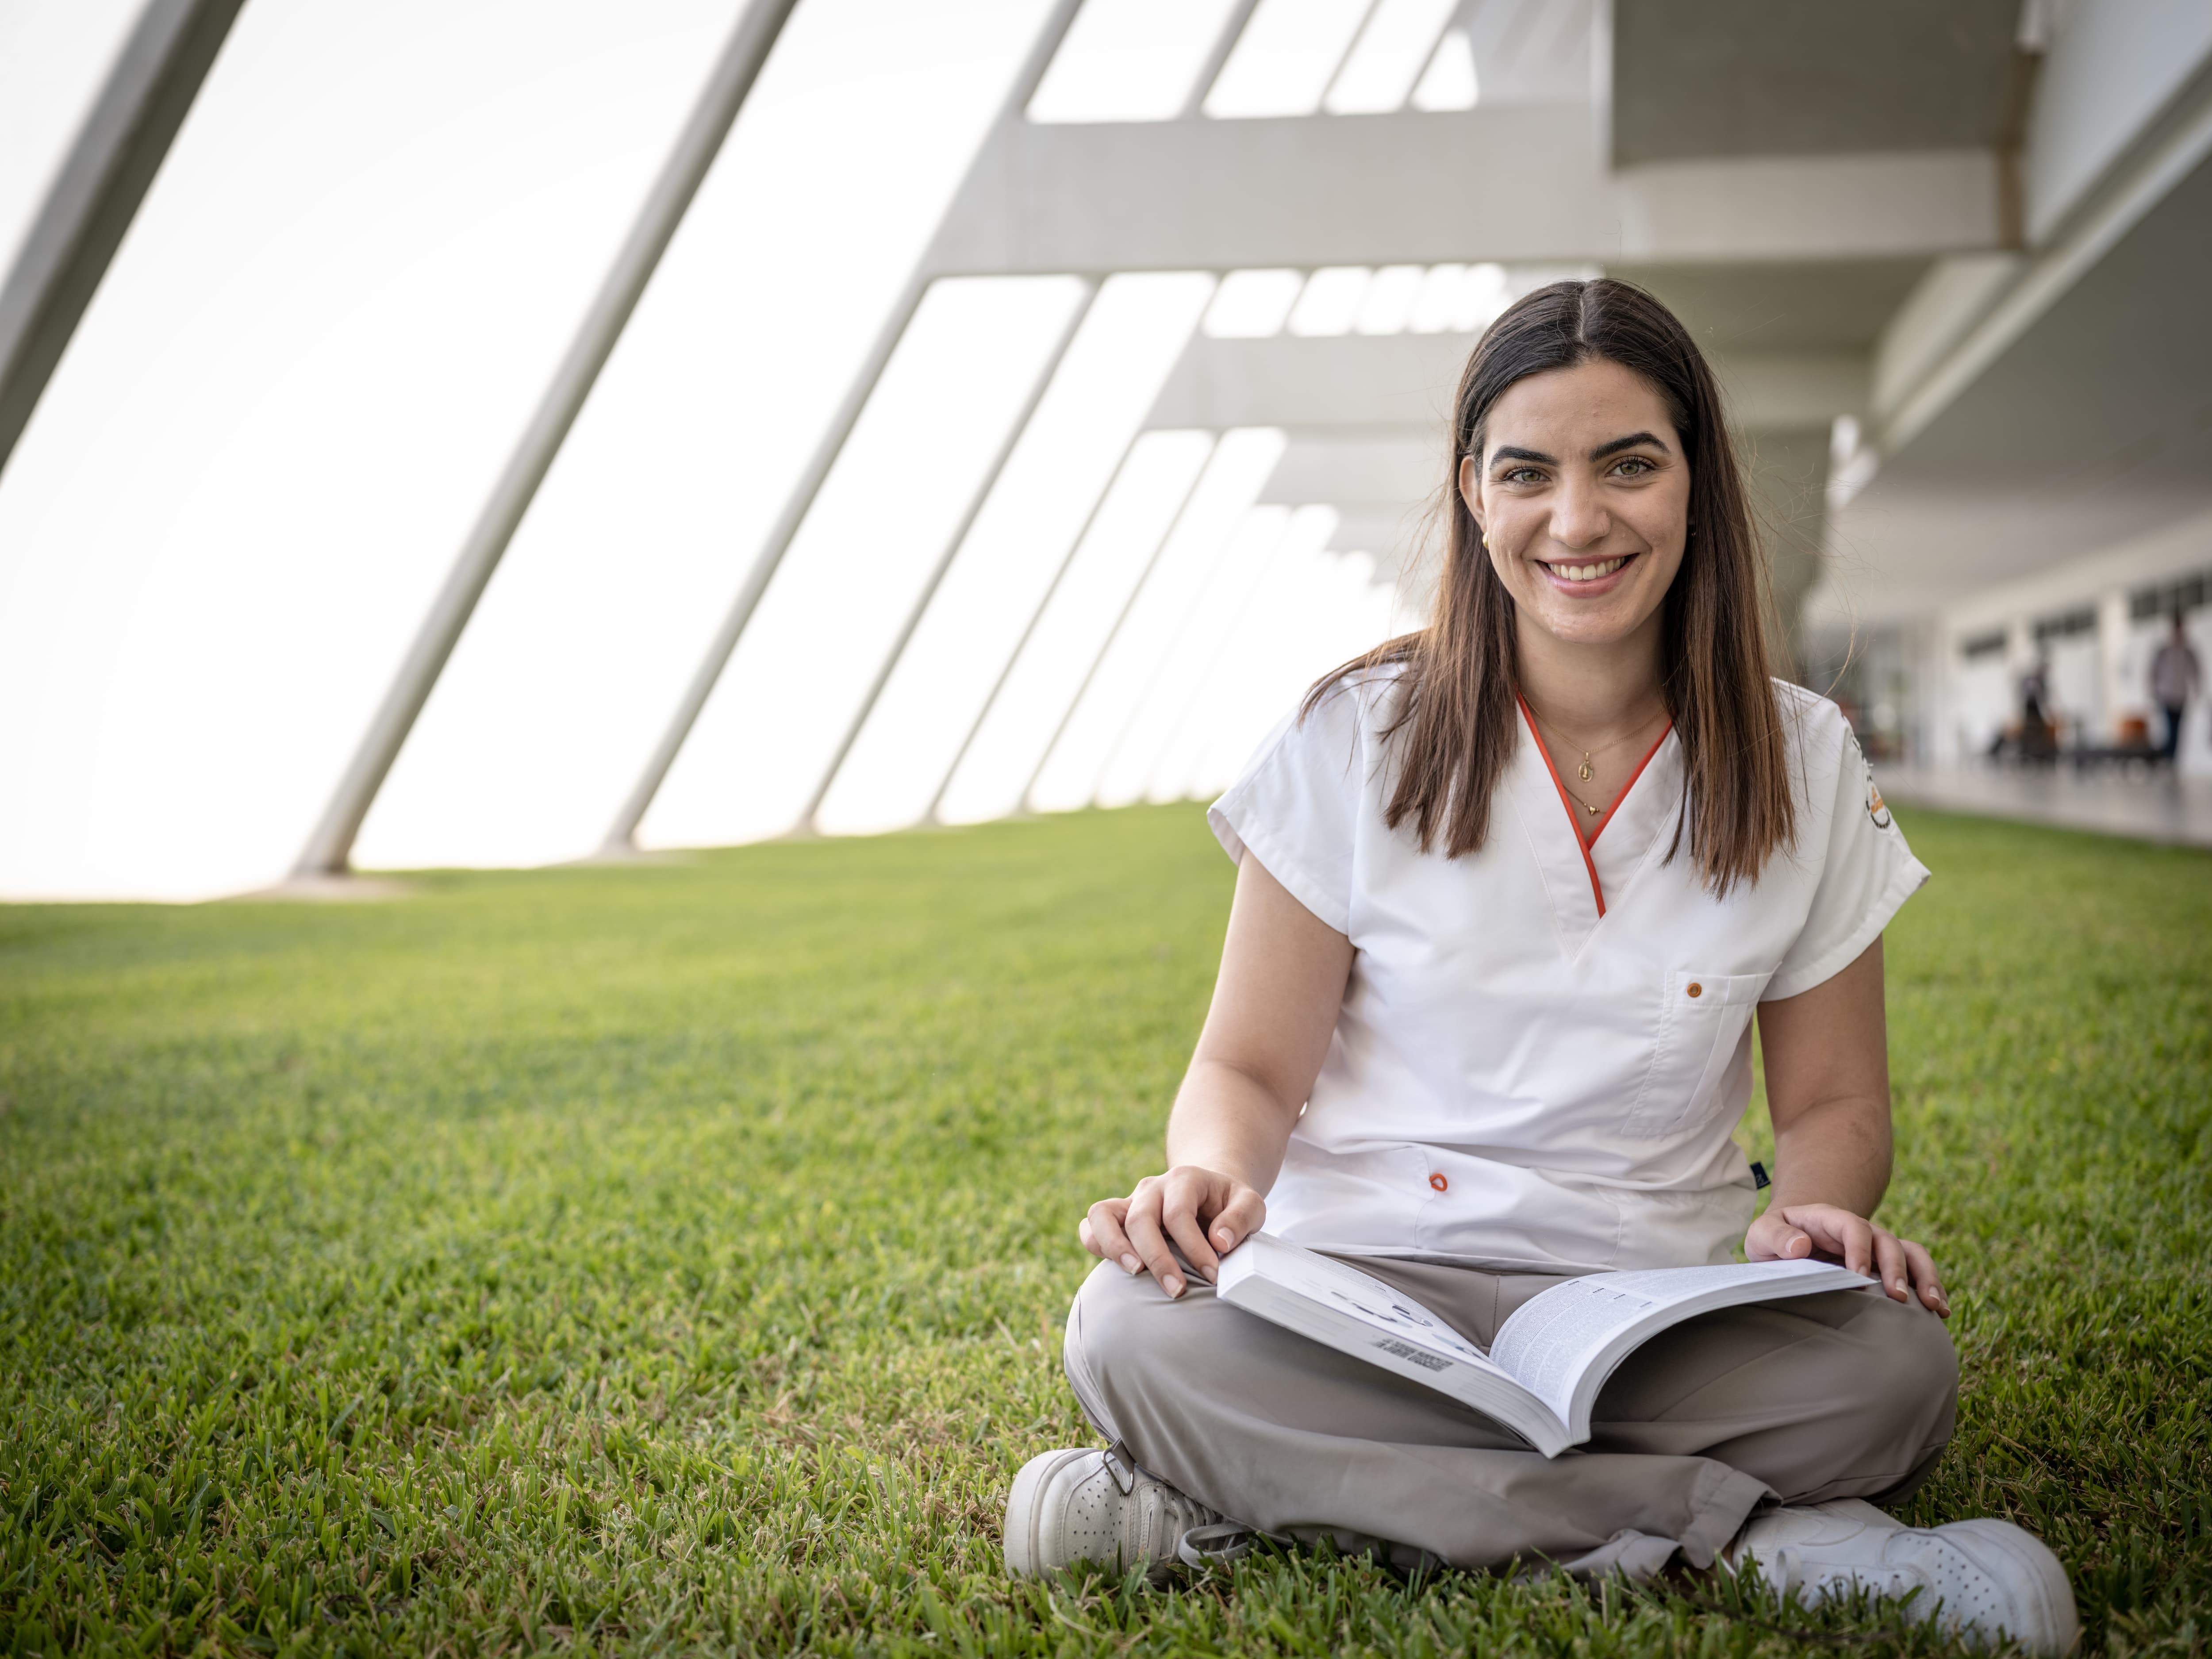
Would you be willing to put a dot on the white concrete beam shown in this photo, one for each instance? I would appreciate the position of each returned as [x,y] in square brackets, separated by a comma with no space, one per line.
[1407,381]
[1381,465]
[2016,297]
[1810,206]
[1515,185]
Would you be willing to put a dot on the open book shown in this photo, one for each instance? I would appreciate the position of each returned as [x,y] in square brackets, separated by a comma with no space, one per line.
[1552,1355]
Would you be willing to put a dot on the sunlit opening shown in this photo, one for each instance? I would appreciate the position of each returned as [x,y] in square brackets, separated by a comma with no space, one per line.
[1264,659]
[1284,60]
[1387,304]
[760,316]
[1251,305]
[885,519]
[1460,299]
[1331,300]
[1317,610]
[1233,478]
[1130,60]
[53,60]
[1450,81]
[1195,649]
[1093,593]
[1387,59]
[358,266]
[1102,388]
[1435,307]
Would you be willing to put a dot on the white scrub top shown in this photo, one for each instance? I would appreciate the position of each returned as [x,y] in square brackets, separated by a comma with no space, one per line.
[1543,1050]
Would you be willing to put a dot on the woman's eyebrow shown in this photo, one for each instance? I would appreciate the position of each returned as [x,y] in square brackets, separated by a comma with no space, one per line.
[1631,442]
[1507,453]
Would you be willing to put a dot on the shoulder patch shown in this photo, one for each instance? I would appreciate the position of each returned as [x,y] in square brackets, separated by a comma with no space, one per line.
[1877,809]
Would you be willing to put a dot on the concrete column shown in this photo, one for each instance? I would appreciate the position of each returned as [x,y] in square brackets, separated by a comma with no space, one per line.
[1940,695]
[2115,693]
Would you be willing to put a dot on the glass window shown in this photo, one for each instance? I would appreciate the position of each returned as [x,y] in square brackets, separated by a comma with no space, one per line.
[1234,477]
[1129,340]
[1182,705]
[1387,304]
[55,55]
[1077,621]
[1450,81]
[1320,610]
[1252,304]
[1331,301]
[946,408]
[367,250]
[1130,60]
[786,268]
[1285,57]
[1384,65]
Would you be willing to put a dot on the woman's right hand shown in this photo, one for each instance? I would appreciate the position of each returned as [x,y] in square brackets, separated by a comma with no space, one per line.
[1205,1214]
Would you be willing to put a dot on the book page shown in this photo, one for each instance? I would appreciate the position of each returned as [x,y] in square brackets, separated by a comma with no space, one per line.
[1350,1292]
[1337,1305]
[1550,1342]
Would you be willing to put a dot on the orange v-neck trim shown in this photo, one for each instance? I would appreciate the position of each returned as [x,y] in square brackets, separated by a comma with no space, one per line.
[1606,821]
[1568,805]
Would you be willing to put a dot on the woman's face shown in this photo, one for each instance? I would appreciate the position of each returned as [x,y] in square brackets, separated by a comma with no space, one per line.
[1584,493]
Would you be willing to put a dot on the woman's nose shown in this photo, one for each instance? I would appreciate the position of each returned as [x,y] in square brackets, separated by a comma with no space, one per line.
[1578,516]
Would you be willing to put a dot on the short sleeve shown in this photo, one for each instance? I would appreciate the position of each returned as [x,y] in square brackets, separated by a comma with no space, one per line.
[1297,807]
[1865,878]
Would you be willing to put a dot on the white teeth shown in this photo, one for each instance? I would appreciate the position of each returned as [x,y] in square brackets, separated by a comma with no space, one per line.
[1588,573]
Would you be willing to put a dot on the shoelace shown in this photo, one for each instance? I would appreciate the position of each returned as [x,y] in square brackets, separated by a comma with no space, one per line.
[1214,1545]
[1163,1512]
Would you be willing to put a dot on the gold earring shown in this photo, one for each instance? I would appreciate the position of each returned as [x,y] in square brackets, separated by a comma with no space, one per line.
[1485,544]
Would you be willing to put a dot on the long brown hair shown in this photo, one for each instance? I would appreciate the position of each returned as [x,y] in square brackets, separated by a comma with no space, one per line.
[1456,725]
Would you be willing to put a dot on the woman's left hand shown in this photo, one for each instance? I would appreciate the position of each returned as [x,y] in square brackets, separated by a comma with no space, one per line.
[1795,1231]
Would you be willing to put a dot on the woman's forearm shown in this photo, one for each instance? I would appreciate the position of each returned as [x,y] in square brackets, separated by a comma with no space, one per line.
[1826,1054]
[1229,1121]
[1833,1151]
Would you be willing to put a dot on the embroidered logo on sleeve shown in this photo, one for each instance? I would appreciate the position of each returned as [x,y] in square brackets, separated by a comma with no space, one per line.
[1877,809]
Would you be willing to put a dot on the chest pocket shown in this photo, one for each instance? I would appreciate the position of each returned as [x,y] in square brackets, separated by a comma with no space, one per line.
[1702,1018]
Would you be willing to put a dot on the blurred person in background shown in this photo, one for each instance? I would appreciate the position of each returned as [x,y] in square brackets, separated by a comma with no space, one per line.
[2175,676]
[1510,890]
[2038,730]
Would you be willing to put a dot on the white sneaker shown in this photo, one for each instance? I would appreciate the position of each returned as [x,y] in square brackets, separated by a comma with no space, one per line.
[1976,1578]
[1085,1505]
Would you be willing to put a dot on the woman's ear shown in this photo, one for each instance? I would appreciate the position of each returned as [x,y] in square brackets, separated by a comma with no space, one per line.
[1470,486]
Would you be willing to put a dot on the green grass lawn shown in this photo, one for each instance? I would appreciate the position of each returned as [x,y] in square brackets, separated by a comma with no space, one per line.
[673,1257]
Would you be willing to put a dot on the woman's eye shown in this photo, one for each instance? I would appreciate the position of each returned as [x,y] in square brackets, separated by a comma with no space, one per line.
[1524,475]
[1634,467]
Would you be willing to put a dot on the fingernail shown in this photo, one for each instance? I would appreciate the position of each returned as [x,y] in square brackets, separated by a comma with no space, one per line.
[1173,1286]
[1130,1264]
[1226,1237]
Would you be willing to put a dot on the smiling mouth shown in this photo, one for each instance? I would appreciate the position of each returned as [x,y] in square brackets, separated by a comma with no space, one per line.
[1586,572]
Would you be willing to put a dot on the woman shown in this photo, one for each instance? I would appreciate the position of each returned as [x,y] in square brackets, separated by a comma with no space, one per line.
[1510,890]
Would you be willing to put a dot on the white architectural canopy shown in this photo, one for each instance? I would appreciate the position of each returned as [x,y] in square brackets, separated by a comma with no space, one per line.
[504,432]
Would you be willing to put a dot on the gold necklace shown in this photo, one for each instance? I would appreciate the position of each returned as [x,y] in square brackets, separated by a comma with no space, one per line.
[1584,772]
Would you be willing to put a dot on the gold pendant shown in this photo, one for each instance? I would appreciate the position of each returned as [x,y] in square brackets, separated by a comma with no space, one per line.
[1584,774]
[1592,811]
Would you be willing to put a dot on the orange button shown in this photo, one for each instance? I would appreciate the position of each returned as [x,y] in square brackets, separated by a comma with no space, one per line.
[1696,989]
[1438,1183]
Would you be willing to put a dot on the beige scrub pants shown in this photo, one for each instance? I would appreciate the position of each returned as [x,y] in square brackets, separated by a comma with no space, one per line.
[1843,1395]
